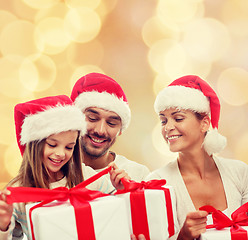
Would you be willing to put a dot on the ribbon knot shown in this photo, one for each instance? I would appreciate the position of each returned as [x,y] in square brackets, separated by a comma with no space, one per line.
[131,186]
[220,220]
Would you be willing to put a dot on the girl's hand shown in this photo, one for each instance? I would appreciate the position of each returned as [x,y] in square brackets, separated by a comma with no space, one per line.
[194,225]
[6,211]
[116,175]
[140,237]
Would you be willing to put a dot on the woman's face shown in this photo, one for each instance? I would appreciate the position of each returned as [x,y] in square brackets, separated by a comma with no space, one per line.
[182,130]
[58,150]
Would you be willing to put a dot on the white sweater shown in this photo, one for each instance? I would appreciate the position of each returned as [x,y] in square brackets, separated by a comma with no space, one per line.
[234,175]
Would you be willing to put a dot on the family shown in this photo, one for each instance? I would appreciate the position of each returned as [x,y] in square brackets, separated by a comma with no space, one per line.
[65,140]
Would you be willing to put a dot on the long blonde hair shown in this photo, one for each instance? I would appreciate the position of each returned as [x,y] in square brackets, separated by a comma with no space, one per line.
[33,173]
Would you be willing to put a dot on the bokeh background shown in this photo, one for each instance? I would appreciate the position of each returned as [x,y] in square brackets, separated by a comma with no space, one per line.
[46,45]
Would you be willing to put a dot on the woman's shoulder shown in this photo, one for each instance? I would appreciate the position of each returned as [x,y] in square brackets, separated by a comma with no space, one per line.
[164,172]
[230,163]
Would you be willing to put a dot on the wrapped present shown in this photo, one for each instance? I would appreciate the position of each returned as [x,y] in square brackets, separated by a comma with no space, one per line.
[76,213]
[225,228]
[151,207]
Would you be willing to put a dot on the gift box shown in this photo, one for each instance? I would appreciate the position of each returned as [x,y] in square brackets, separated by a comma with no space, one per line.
[151,208]
[56,220]
[225,228]
[225,234]
[70,214]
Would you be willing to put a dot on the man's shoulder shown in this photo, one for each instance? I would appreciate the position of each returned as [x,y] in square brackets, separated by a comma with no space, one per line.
[122,161]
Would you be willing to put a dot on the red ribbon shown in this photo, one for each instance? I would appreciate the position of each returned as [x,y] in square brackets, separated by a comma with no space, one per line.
[78,196]
[238,218]
[138,206]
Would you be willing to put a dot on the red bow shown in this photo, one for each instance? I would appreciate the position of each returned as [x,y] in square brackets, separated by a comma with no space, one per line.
[77,196]
[220,220]
[131,186]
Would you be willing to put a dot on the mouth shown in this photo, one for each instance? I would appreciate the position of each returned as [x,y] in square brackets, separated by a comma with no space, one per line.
[97,141]
[55,161]
[173,137]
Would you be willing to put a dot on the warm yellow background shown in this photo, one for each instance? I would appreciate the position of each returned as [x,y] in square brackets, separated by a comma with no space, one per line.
[46,45]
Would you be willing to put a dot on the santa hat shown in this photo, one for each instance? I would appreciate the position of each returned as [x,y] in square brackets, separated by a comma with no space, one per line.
[40,118]
[99,90]
[192,93]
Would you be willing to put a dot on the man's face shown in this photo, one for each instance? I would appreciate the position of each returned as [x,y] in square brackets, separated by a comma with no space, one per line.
[102,129]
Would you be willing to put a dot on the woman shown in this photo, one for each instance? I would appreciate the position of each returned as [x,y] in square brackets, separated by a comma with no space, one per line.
[189,111]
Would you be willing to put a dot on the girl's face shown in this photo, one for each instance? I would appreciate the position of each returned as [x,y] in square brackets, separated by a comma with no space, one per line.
[182,130]
[58,150]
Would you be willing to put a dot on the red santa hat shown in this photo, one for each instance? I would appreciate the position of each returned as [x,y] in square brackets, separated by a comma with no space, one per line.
[38,119]
[99,90]
[192,93]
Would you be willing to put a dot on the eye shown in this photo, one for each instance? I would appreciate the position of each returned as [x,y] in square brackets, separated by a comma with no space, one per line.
[163,121]
[51,145]
[112,124]
[69,148]
[179,119]
[92,118]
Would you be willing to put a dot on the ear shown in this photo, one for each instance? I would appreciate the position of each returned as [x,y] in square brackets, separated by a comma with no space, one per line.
[205,124]
[120,132]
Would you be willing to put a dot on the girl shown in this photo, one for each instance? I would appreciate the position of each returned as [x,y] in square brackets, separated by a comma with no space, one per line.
[47,132]
[188,108]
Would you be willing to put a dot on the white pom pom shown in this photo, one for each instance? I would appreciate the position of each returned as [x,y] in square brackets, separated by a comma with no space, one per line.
[214,142]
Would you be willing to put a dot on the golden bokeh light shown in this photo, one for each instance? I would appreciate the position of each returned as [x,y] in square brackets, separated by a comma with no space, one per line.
[160,82]
[241,149]
[154,30]
[40,4]
[83,3]
[9,76]
[17,38]
[206,39]
[175,12]
[12,159]
[233,85]
[53,35]
[82,24]
[7,135]
[6,18]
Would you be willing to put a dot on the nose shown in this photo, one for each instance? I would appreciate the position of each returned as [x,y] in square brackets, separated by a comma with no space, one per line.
[101,128]
[60,153]
[169,126]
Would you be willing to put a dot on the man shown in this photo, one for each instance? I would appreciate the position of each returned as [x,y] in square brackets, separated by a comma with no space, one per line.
[105,106]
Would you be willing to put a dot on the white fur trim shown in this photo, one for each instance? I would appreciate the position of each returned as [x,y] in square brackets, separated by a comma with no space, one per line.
[214,142]
[105,101]
[182,97]
[51,121]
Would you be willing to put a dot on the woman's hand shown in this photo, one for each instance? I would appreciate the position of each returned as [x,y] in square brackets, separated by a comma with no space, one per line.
[116,175]
[6,211]
[140,237]
[194,225]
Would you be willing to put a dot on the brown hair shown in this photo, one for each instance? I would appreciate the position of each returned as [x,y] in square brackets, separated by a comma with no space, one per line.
[33,173]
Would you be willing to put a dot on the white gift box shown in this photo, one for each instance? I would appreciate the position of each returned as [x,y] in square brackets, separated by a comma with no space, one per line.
[57,220]
[156,211]
[223,234]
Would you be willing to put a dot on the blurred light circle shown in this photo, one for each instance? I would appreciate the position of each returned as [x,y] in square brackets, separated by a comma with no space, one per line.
[154,30]
[10,79]
[160,144]
[6,18]
[7,135]
[40,4]
[206,39]
[52,33]
[157,54]
[29,75]
[44,71]
[18,38]
[12,159]
[232,86]
[172,12]
[241,150]
[83,3]
[160,82]
[83,70]
[82,24]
